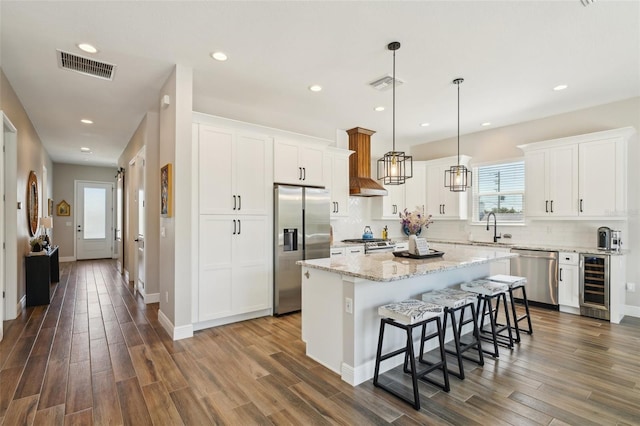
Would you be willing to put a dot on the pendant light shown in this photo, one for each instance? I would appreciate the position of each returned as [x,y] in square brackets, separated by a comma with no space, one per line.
[458,177]
[395,167]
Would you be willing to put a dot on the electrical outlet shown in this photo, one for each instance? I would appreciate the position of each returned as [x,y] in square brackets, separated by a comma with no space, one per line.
[631,287]
[348,305]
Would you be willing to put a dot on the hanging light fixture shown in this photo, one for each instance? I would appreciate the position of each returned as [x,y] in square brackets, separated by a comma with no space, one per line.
[395,167]
[458,177]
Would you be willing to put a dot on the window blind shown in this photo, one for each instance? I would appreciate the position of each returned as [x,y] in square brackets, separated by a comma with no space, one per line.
[499,188]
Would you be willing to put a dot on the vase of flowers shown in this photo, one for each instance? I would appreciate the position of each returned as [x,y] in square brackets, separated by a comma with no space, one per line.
[413,222]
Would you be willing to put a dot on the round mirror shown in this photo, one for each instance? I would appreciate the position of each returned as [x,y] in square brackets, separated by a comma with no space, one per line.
[32,202]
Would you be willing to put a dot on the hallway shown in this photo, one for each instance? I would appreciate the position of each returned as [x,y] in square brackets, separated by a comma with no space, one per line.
[97,355]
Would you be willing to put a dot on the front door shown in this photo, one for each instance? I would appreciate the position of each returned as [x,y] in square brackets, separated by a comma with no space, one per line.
[94,220]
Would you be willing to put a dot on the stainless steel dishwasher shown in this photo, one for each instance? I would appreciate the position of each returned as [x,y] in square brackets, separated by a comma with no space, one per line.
[541,270]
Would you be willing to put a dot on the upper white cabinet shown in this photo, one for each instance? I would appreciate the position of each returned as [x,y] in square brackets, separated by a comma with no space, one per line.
[551,182]
[581,176]
[410,195]
[232,171]
[337,174]
[441,202]
[298,162]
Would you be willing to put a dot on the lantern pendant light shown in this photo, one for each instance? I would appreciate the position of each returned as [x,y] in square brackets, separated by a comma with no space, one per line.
[458,177]
[394,168]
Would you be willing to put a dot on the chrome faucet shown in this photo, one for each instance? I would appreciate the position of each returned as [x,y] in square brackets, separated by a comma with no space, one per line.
[495,227]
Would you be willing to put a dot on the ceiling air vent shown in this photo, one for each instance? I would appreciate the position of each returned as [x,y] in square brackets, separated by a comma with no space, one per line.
[385,83]
[86,66]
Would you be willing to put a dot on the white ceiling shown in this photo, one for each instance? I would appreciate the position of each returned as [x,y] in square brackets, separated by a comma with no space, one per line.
[510,53]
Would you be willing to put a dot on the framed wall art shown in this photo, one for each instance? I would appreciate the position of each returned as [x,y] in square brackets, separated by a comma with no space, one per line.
[63,208]
[166,195]
[49,207]
[32,203]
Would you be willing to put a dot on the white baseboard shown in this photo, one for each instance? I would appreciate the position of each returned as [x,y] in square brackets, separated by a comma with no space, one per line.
[632,311]
[126,276]
[151,298]
[228,320]
[67,259]
[569,310]
[21,304]
[176,333]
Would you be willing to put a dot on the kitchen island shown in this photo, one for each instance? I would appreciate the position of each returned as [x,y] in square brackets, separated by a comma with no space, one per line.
[340,300]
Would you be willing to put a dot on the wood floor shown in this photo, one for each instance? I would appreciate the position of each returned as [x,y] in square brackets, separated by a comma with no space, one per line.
[97,355]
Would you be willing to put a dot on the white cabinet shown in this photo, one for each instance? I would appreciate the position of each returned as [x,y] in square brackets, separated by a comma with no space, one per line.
[337,173]
[234,261]
[551,182]
[441,202]
[298,162]
[346,252]
[410,195]
[568,282]
[582,176]
[232,171]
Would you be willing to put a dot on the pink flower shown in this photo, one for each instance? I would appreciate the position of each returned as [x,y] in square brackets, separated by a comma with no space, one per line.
[415,220]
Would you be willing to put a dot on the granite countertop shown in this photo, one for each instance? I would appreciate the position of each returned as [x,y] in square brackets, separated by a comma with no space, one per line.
[524,246]
[386,267]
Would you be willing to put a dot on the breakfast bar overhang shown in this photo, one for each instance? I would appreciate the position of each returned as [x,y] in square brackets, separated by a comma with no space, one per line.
[340,300]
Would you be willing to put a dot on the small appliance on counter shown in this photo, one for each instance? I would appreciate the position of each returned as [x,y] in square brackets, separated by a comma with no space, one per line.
[616,240]
[604,238]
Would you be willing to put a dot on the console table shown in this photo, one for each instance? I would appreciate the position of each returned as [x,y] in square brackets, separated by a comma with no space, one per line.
[41,270]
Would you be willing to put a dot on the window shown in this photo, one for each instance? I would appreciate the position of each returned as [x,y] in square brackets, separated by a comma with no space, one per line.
[499,188]
[95,220]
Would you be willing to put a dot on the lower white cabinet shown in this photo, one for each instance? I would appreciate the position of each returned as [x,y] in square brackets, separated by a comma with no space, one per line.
[234,265]
[568,280]
[345,252]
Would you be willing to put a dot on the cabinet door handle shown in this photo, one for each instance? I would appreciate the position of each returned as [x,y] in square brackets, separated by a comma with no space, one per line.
[551,206]
[234,202]
[239,203]
[239,227]
[546,206]
[337,207]
[299,173]
[581,205]
[304,173]
[234,227]
[560,272]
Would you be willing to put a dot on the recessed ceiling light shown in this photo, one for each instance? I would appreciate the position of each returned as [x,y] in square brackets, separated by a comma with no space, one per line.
[424,124]
[85,149]
[86,121]
[315,88]
[379,108]
[560,87]
[86,47]
[486,123]
[219,56]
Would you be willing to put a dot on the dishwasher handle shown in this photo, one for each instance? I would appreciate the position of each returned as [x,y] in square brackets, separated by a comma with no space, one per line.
[528,256]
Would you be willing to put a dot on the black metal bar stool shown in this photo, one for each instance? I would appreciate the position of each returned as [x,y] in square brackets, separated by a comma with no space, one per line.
[408,315]
[516,283]
[487,291]
[453,301]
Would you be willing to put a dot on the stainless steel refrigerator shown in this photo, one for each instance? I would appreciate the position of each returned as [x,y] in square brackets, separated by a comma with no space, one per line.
[301,231]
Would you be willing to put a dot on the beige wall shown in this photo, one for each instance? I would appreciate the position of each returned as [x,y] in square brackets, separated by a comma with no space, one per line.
[31,155]
[64,189]
[146,135]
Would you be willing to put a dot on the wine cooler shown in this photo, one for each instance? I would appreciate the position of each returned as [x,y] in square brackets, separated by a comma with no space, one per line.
[594,286]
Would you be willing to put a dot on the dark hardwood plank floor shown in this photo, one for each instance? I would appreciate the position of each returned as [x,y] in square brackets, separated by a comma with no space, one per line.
[97,355]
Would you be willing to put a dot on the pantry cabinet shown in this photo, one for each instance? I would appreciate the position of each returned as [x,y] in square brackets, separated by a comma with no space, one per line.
[442,203]
[232,170]
[298,162]
[582,176]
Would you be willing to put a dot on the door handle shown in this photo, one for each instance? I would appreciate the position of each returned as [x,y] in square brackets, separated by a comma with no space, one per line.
[234,227]
[239,203]
[581,205]
[239,227]
[234,202]
[546,206]
[560,273]
[136,240]
[304,173]
[551,206]
[337,207]
[299,173]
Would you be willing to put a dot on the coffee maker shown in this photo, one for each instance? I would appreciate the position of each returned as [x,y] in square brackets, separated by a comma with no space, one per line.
[604,238]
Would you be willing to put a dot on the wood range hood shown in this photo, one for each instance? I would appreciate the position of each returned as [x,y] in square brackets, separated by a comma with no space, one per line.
[360,182]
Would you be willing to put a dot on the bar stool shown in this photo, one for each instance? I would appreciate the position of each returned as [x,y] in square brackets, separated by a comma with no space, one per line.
[454,300]
[487,291]
[516,283]
[408,315]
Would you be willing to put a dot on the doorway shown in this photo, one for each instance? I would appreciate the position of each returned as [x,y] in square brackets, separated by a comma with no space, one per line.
[94,220]
[137,221]
[8,221]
